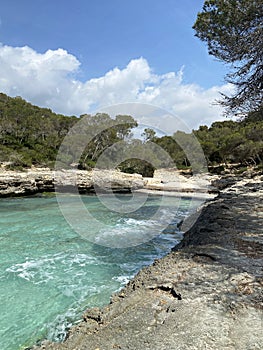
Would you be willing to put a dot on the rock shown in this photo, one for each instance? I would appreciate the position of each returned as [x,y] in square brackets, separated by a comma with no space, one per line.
[206,294]
[116,180]
[36,181]
[92,314]
[172,180]
[224,182]
[99,180]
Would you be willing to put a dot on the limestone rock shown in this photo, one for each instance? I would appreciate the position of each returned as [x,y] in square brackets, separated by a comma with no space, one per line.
[36,181]
[172,180]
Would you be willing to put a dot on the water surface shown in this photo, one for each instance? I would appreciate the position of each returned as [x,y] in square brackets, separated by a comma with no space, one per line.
[49,274]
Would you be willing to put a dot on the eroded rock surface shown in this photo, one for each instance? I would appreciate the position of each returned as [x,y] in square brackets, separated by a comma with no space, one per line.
[206,294]
[14,183]
[173,180]
[30,182]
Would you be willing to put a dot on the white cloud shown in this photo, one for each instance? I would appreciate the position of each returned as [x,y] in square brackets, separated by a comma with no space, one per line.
[49,79]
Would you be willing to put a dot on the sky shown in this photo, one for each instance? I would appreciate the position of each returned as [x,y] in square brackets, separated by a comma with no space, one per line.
[80,56]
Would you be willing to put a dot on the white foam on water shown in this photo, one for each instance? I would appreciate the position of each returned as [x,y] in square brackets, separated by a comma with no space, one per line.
[43,269]
[127,234]
[135,231]
[123,279]
[51,275]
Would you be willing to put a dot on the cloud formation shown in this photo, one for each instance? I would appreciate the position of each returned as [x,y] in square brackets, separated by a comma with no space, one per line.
[50,79]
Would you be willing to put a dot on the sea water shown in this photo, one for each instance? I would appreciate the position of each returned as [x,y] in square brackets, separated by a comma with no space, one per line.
[49,274]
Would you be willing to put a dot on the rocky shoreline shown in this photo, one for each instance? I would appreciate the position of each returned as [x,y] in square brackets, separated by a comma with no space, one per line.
[30,182]
[33,181]
[205,294]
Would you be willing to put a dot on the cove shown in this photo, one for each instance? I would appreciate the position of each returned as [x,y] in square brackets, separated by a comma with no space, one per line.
[49,274]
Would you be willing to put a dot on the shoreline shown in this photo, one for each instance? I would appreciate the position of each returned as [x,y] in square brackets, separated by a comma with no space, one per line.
[168,181]
[206,293]
[179,193]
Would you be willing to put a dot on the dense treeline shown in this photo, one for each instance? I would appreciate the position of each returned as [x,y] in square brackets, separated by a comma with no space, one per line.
[227,142]
[233,142]
[94,136]
[30,135]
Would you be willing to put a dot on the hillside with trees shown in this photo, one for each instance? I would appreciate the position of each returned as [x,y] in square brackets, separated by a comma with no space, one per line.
[230,142]
[233,142]
[30,135]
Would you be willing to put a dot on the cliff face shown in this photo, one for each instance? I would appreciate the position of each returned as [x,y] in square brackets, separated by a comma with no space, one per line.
[206,294]
[31,182]
[44,180]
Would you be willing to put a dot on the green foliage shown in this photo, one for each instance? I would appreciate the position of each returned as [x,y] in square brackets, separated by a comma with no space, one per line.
[233,32]
[97,134]
[232,142]
[173,149]
[30,134]
[224,142]
[149,134]
[137,166]
[256,116]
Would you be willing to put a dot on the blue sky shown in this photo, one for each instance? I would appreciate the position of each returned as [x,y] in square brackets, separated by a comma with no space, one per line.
[150,36]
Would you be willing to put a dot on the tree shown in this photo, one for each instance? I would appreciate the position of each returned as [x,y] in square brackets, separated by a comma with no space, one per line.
[96,134]
[123,125]
[148,134]
[169,144]
[233,31]
[30,134]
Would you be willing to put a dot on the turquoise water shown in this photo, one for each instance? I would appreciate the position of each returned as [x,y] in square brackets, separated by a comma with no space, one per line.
[49,274]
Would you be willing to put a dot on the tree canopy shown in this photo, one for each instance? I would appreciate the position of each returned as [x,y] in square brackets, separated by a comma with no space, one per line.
[233,31]
[30,135]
